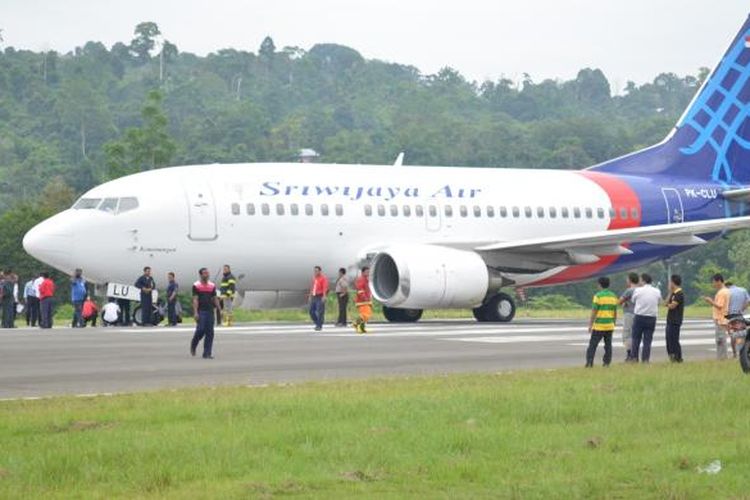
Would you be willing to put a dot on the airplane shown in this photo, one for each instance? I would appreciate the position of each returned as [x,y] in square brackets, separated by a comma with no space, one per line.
[434,237]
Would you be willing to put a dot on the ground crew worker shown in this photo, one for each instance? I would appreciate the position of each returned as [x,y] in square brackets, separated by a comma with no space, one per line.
[89,312]
[602,322]
[318,293]
[205,301]
[342,295]
[30,296]
[146,284]
[77,297]
[46,301]
[6,299]
[676,309]
[172,289]
[720,309]
[363,300]
[228,289]
[628,311]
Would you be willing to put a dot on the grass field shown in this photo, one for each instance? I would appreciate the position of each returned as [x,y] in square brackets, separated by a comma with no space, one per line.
[623,432]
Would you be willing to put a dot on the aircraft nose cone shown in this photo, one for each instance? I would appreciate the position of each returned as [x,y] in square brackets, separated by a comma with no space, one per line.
[51,241]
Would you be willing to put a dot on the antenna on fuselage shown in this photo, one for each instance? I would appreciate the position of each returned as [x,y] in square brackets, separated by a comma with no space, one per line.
[399,160]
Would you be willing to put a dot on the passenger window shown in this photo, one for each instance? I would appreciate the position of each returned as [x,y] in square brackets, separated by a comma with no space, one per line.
[589,213]
[394,211]
[265,209]
[464,211]
[634,213]
[600,213]
[368,210]
[623,213]
[250,209]
[127,204]
[279,209]
[552,212]
[308,209]
[294,209]
[339,210]
[516,212]
[612,213]
[381,210]
[433,211]
[324,209]
[564,212]
[577,213]
[407,211]
[448,211]
[540,212]
[419,211]
[503,212]
[109,205]
[527,211]
[477,211]
[87,203]
[490,211]
[235,209]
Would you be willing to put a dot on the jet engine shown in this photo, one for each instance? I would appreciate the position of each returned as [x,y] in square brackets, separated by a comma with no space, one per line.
[428,276]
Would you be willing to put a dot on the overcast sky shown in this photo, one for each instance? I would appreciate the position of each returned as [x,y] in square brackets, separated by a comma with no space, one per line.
[483,39]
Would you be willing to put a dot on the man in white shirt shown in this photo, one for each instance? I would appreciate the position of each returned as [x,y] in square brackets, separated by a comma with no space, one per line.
[111,313]
[646,299]
[31,299]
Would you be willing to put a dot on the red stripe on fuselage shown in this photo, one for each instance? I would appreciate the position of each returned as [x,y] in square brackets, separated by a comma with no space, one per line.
[621,195]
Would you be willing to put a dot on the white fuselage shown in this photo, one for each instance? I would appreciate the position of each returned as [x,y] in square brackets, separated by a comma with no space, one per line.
[273,222]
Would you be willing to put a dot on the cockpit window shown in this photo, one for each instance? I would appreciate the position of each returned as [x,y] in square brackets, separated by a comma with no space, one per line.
[109,205]
[87,203]
[127,204]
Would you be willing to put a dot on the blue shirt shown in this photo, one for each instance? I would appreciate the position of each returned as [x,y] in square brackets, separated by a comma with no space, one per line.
[738,299]
[29,290]
[172,288]
[78,290]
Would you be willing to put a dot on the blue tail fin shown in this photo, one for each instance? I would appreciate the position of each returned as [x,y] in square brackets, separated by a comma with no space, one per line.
[711,141]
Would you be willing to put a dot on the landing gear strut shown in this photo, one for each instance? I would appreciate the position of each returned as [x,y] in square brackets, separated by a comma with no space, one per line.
[499,308]
[402,315]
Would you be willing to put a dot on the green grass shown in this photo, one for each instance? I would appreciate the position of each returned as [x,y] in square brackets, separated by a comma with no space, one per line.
[629,431]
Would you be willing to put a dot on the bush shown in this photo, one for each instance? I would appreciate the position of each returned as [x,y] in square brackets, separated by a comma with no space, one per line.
[552,301]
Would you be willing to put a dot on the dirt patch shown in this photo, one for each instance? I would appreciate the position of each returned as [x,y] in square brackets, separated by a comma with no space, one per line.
[4,473]
[594,442]
[358,475]
[82,425]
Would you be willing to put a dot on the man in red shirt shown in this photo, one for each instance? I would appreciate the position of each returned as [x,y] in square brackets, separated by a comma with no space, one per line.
[46,301]
[318,292]
[363,300]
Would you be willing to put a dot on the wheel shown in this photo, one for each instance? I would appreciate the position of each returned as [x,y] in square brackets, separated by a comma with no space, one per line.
[137,315]
[156,316]
[480,313]
[402,315]
[745,356]
[499,308]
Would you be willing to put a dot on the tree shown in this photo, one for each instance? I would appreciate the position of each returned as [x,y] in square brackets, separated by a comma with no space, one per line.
[144,42]
[267,48]
[143,148]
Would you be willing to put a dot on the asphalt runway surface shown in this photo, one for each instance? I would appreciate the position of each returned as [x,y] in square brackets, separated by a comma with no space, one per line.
[38,363]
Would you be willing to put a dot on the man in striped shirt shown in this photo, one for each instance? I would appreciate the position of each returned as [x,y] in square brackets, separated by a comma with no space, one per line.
[602,322]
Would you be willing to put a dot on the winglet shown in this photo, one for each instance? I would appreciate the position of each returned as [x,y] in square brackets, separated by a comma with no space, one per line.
[399,160]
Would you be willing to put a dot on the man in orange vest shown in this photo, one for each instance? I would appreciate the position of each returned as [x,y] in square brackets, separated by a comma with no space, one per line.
[363,300]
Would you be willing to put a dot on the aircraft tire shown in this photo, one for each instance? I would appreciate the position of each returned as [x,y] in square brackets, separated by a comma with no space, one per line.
[480,313]
[394,315]
[499,308]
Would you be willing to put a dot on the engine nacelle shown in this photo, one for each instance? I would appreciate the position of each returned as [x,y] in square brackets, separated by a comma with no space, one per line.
[428,276]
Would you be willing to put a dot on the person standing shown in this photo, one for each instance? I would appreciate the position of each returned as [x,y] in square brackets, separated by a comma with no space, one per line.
[146,284]
[172,289]
[363,300]
[205,302]
[675,311]
[342,295]
[6,299]
[602,322]
[738,301]
[318,292]
[77,297]
[628,311]
[719,310]
[46,301]
[646,299]
[227,288]
[32,302]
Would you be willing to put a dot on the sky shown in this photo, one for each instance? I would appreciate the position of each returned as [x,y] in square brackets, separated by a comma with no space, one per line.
[483,39]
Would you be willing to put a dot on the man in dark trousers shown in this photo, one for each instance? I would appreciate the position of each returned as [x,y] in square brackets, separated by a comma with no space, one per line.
[172,288]
[646,299]
[318,292]
[602,322]
[675,309]
[46,301]
[205,303]
[146,284]
[6,299]
[30,296]
[342,294]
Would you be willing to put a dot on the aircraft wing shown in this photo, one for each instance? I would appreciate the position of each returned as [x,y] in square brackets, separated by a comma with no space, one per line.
[540,254]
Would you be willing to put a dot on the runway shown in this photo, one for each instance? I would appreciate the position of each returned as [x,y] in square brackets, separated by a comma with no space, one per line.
[38,363]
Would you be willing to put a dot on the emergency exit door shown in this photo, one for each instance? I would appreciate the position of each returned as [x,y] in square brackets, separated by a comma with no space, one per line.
[201,211]
[675,210]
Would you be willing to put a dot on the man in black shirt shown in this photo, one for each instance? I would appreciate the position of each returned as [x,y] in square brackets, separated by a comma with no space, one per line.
[205,302]
[146,285]
[676,308]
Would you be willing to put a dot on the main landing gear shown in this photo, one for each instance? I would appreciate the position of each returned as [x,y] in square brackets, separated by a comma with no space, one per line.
[402,315]
[499,308]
